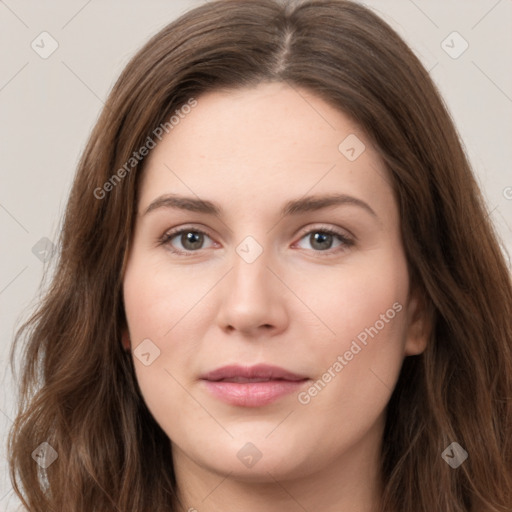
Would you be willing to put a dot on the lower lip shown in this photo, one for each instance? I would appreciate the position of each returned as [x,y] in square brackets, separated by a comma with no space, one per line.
[252,394]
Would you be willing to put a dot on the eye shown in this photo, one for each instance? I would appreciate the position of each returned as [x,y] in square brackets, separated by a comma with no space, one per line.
[184,240]
[325,239]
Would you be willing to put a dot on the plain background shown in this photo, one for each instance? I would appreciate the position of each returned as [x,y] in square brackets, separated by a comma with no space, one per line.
[49,106]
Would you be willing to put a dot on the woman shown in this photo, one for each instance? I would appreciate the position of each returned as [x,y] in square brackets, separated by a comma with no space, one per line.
[278,288]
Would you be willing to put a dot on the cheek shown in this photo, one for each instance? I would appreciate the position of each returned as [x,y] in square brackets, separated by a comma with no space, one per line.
[167,314]
[354,299]
[157,301]
[358,366]
[156,317]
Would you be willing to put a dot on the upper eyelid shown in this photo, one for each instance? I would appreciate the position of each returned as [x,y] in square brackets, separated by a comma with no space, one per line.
[206,231]
[324,227]
[176,231]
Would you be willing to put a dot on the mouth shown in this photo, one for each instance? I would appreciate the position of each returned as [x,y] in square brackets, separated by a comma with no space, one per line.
[253,386]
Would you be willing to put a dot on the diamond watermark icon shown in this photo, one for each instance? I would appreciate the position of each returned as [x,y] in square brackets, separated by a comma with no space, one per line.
[454,45]
[249,249]
[44,45]
[351,147]
[146,352]
[249,455]
[45,455]
[454,455]
[43,249]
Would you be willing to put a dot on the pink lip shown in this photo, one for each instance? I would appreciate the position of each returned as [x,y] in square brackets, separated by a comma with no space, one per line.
[252,386]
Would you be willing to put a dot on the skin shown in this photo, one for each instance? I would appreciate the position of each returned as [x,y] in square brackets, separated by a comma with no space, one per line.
[250,151]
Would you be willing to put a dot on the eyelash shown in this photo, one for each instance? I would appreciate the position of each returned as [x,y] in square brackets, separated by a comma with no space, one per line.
[344,239]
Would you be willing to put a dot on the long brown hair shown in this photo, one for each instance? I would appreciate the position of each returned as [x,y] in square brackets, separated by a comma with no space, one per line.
[78,387]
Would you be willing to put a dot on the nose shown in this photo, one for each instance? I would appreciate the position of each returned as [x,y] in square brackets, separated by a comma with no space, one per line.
[253,299]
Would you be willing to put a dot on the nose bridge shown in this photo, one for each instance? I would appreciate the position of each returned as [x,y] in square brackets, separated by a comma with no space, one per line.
[250,274]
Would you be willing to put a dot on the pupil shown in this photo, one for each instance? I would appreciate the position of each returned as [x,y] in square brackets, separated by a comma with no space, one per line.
[321,240]
[191,239]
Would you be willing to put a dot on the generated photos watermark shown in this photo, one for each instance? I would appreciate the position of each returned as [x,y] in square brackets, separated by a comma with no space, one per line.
[149,144]
[357,345]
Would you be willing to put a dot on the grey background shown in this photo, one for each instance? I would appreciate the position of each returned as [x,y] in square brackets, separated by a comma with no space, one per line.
[48,107]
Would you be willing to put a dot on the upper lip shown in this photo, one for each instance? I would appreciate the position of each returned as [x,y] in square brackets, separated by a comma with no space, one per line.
[259,372]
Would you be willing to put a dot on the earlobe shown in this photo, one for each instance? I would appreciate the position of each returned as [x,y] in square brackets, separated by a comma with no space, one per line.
[419,326]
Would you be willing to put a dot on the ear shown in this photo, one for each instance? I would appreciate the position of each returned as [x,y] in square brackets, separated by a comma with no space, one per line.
[125,340]
[419,325]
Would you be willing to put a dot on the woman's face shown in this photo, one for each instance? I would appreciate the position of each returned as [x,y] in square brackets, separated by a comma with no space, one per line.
[266,290]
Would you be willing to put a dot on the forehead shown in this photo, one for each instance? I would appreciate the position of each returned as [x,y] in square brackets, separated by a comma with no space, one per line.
[267,141]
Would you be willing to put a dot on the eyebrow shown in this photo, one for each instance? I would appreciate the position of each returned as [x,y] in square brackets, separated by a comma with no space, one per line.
[293,207]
